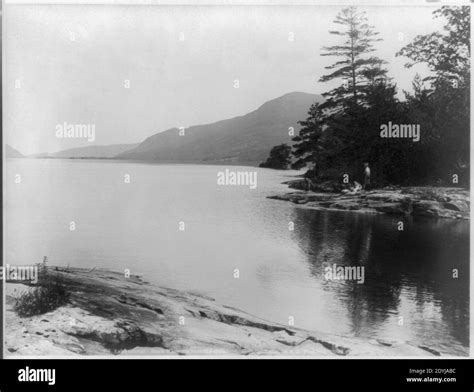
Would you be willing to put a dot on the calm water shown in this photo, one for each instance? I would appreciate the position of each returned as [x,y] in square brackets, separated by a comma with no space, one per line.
[135,226]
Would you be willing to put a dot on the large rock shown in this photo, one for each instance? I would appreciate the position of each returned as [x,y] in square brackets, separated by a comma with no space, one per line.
[457,205]
[439,194]
[346,205]
[328,186]
[320,196]
[391,197]
[427,208]
[110,314]
[393,208]
[289,196]
[451,203]
[300,183]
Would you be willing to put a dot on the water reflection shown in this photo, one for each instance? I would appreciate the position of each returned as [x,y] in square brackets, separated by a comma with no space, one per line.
[408,274]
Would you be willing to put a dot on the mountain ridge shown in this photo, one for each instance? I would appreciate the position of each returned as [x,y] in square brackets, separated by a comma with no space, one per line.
[94,151]
[241,140]
[11,152]
[245,139]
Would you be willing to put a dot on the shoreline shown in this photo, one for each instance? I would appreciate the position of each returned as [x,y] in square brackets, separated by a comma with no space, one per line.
[109,314]
[430,202]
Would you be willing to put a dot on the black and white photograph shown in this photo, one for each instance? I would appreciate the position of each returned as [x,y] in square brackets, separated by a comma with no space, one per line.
[231,180]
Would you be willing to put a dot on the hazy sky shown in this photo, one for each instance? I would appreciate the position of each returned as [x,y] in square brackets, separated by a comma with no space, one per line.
[71,64]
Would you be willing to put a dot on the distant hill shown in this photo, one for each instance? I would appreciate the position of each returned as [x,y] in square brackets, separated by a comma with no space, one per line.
[245,140]
[108,151]
[10,152]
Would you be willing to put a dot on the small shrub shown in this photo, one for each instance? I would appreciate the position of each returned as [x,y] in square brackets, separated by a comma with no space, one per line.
[49,294]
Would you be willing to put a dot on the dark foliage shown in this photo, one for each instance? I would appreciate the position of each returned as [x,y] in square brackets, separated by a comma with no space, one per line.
[342,133]
[50,293]
[279,157]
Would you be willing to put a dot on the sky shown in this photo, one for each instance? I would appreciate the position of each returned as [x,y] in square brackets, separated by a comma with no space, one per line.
[73,63]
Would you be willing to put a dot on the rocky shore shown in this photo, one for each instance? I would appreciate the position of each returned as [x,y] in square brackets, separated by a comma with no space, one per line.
[431,202]
[110,314]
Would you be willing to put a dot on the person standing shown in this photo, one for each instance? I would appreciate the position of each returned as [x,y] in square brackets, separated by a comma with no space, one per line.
[366,176]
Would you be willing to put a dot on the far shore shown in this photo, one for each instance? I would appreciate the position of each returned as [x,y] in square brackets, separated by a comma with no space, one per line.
[111,314]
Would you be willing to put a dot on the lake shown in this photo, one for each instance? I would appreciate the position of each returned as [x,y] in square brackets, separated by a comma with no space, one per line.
[234,231]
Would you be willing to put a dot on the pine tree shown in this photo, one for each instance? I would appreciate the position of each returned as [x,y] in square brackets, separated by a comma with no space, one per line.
[307,148]
[356,68]
[331,134]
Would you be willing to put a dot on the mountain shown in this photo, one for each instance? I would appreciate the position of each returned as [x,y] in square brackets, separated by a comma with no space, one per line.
[10,152]
[109,151]
[243,140]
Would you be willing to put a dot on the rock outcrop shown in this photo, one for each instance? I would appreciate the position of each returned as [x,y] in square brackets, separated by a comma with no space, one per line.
[451,203]
[109,314]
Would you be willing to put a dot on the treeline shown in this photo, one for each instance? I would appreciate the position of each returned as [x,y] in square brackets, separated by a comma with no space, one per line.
[344,131]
